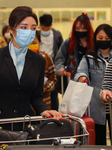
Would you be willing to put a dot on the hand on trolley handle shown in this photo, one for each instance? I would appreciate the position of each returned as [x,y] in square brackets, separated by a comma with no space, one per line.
[64,73]
[52,113]
[106,95]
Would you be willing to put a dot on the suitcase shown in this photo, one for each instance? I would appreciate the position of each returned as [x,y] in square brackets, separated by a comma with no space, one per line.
[90,124]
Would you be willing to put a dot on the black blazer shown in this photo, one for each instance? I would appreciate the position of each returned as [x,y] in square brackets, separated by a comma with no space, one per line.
[15,96]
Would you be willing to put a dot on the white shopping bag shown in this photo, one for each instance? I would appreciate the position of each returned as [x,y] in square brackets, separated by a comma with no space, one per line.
[76,98]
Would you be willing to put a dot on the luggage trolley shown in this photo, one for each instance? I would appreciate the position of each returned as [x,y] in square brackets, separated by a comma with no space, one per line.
[25,119]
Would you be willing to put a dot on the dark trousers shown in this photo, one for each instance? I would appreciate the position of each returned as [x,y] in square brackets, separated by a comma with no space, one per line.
[101,132]
[58,89]
[54,100]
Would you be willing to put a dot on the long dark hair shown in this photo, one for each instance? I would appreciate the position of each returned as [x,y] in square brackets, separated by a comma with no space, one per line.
[108,30]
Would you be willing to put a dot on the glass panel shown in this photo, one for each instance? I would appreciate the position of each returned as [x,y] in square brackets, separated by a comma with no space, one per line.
[4,16]
[101,15]
[40,13]
[78,13]
[66,16]
[55,15]
[90,14]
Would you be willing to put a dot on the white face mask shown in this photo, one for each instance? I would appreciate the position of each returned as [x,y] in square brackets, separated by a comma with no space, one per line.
[7,35]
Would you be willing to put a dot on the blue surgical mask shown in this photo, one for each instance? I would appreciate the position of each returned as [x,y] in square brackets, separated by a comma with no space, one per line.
[24,37]
[45,33]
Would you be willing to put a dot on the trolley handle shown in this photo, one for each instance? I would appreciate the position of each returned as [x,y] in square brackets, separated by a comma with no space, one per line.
[108,98]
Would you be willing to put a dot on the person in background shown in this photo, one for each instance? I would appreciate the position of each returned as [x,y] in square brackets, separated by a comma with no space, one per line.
[51,41]
[50,76]
[22,71]
[74,47]
[107,83]
[91,69]
[6,37]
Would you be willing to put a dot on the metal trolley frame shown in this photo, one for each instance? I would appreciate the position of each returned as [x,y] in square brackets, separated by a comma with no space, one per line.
[85,134]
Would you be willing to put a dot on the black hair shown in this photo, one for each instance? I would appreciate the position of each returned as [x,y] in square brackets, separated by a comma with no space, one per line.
[20,13]
[4,29]
[46,20]
[108,30]
[82,18]
[38,35]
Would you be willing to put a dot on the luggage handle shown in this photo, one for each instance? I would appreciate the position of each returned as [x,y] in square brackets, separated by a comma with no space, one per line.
[24,121]
[43,123]
[108,98]
[50,120]
[62,84]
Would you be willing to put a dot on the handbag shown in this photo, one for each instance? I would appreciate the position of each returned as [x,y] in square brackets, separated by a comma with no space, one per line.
[6,135]
[76,99]
[49,129]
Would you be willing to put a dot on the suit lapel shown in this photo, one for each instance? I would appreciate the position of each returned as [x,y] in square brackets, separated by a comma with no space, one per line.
[10,64]
[27,65]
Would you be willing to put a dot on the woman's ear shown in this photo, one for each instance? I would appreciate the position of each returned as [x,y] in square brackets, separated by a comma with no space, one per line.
[10,30]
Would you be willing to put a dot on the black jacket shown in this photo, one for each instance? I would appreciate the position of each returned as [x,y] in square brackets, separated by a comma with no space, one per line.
[58,39]
[17,97]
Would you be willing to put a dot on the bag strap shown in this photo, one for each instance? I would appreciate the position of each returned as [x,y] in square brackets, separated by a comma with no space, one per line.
[24,121]
[87,59]
[48,121]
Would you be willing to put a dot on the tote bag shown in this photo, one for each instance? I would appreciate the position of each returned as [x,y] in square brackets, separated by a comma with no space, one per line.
[76,98]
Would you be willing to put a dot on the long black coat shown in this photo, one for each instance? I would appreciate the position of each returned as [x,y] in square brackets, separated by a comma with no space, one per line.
[15,96]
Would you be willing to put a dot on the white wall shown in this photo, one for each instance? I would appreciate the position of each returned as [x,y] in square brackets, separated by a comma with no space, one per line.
[55,3]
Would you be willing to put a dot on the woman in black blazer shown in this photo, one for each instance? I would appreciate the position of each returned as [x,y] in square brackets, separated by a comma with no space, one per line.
[22,70]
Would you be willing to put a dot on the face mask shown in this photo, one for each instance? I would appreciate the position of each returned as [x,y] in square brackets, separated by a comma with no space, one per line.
[45,33]
[104,44]
[7,35]
[24,37]
[81,34]
[33,47]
